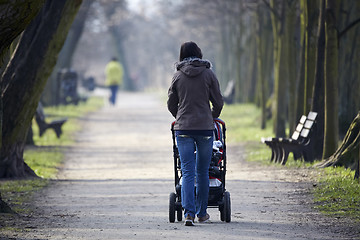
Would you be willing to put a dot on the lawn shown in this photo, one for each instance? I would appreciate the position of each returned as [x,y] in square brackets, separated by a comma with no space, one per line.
[46,156]
[337,193]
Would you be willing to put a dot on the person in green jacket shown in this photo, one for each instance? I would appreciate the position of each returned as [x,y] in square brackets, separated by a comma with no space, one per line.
[114,77]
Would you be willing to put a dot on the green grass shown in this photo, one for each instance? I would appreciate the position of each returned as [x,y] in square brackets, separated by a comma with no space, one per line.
[71,112]
[336,194]
[45,163]
[243,123]
[46,159]
[243,126]
[47,155]
[17,193]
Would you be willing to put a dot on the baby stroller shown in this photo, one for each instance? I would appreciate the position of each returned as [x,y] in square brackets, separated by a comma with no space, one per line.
[218,196]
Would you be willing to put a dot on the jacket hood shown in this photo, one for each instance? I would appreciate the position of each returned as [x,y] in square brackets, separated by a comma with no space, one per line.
[192,66]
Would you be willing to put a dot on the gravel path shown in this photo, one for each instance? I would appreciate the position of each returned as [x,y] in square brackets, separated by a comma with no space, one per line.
[117,178]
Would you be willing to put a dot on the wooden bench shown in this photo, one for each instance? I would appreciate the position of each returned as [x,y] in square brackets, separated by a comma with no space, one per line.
[274,143]
[44,125]
[300,143]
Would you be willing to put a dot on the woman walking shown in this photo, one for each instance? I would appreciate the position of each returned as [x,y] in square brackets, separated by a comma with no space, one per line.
[114,77]
[194,85]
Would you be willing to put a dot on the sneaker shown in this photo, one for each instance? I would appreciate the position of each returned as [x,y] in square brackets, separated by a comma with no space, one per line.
[189,221]
[204,218]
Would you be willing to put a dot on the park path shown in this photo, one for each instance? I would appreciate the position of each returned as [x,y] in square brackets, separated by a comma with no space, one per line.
[117,178]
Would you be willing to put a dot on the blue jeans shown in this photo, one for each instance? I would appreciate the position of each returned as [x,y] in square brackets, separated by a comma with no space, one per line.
[113,90]
[195,165]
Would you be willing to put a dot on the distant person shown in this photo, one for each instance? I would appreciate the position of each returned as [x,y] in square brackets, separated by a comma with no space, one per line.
[114,78]
[193,86]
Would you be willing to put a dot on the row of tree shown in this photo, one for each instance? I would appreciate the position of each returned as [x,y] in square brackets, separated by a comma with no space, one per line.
[290,56]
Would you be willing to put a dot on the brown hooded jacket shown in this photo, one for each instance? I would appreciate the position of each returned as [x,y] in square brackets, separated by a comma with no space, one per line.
[193,87]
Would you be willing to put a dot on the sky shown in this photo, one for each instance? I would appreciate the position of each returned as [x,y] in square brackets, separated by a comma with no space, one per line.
[142,6]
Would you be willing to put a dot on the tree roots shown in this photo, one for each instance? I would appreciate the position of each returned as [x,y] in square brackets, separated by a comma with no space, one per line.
[348,153]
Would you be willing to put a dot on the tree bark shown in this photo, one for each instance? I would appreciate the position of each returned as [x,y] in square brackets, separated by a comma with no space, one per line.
[223,63]
[347,154]
[331,80]
[318,92]
[12,22]
[311,17]
[250,78]
[119,44]
[349,61]
[280,70]
[14,17]
[66,54]
[260,64]
[24,79]
[117,32]
[300,81]
[4,208]
[291,56]
[236,64]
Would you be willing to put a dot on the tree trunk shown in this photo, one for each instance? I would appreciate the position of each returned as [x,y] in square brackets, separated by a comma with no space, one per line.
[237,35]
[300,80]
[25,77]
[117,33]
[65,57]
[18,15]
[14,17]
[347,154]
[223,63]
[291,56]
[357,173]
[118,42]
[318,92]
[250,77]
[310,51]
[280,71]
[349,61]
[4,208]
[331,80]
[260,64]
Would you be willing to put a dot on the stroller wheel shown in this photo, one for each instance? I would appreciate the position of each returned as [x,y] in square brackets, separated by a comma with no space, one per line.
[172,199]
[227,207]
[222,213]
[179,213]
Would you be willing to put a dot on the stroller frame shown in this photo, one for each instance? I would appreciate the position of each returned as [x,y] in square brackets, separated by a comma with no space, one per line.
[218,196]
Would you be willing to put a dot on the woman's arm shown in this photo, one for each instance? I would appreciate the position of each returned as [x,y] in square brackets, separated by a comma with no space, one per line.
[216,97]
[173,100]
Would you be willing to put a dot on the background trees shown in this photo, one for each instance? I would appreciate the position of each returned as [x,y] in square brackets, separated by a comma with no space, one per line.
[283,55]
[286,56]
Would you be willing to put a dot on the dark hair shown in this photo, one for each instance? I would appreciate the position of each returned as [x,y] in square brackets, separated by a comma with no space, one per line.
[189,49]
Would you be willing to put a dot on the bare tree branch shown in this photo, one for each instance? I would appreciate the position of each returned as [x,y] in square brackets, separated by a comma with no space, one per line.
[351,25]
